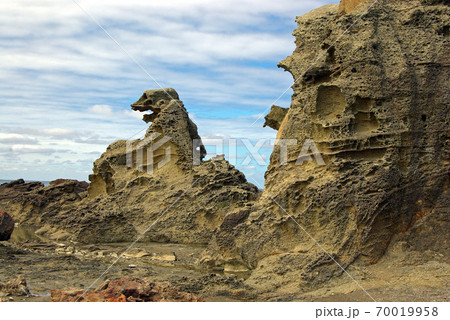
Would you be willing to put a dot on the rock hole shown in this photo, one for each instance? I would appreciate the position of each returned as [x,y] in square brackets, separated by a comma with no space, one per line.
[330,103]
[446,31]
[331,58]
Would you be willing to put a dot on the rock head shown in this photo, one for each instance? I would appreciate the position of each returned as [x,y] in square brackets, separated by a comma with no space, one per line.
[154,100]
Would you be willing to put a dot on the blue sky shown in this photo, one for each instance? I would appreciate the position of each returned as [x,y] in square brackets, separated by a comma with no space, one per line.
[66,87]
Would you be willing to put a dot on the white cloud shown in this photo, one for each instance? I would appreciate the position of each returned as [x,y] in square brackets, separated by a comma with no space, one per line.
[46,132]
[15,138]
[56,132]
[102,109]
[133,114]
[21,148]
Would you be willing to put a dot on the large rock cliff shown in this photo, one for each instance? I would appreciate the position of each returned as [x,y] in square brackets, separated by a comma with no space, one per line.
[376,105]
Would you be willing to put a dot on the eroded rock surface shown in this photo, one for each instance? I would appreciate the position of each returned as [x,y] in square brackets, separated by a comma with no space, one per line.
[377,107]
[33,204]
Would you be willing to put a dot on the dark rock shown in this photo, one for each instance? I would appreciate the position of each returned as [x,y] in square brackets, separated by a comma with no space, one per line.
[6,226]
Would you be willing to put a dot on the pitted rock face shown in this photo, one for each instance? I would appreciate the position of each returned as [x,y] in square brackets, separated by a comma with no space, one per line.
[377,107]
[154,100]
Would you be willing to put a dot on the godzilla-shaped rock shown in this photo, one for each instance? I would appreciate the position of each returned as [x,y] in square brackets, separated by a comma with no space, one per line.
[135,182]
[158,184]
[377,107]
[167,145]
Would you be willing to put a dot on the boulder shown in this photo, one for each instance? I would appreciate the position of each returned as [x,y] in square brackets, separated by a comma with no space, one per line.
[6,226]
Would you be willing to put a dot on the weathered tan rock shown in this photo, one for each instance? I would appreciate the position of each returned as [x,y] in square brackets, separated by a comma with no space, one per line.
[347,6]
[377,107]
[34,205]
[275,117]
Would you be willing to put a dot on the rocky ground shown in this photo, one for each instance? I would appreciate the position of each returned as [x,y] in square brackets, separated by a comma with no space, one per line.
[47,265]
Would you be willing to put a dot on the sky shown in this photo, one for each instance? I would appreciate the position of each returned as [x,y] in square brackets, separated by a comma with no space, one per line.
[69,70]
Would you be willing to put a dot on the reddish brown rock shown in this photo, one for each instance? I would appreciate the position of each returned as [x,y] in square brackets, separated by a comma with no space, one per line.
[127,289]
[6,226]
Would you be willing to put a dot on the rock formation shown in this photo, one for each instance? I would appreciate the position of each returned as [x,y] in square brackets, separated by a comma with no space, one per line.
[6,226]
[135,182]
[376,104]
[35,205]
[158,181]
[168,144]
